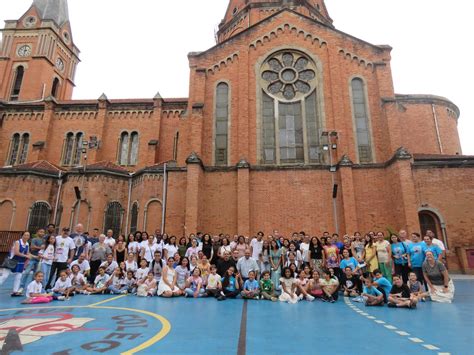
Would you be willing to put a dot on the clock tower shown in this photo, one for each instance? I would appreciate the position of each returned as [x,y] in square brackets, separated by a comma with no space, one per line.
[38,57]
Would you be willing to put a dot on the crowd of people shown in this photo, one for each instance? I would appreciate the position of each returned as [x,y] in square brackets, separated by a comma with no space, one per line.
[374,268]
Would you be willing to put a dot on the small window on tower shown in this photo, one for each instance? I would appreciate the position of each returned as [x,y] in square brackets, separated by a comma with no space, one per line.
[54,90]
[234,11]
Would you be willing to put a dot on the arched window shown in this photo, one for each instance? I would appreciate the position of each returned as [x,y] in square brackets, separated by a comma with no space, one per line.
[72,151]
[128,149]
[14,147]
[134,218]
[54,89]
[78,149]
[25,142]
[20,72]
[361,121]
[18,149]
[113,218]
[39,216]
[290,123]
[222,124]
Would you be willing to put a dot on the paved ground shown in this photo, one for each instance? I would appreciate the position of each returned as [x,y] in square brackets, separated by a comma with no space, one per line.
[128,325]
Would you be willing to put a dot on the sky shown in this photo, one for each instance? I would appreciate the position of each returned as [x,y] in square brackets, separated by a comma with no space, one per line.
[135,51]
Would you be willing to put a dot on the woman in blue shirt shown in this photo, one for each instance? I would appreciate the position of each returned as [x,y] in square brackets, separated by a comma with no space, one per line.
[349,261]
[400,257]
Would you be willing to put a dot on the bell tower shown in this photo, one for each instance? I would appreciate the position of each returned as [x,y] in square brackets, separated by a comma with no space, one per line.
[242,14]
[38,57]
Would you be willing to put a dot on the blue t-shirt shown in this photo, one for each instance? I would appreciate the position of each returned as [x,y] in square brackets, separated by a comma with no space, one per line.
[351,262]
[398,249]
[384,284]
[372,291]
[231,286]
[417,253]
[251,285]
[436,250]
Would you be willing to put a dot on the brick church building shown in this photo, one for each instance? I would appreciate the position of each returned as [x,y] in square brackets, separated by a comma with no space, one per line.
[290,124]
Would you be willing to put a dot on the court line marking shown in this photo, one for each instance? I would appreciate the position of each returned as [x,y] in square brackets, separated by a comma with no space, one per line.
[166,326]
[107,300]
[356,309]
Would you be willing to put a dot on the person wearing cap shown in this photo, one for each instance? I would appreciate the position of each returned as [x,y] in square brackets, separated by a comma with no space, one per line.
[62,256]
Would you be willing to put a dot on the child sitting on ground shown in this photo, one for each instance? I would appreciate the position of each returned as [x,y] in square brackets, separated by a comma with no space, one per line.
[147,287]
[288,287]
[35,293]
[373,297]
[416,287]
[214,284]
[302,284]
[400,295]
[251,289]
[194,285]
[62,288]
[267,288]
[115,283]
[100,283]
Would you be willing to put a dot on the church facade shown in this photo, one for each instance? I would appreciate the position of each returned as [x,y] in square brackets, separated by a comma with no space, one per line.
[290,124]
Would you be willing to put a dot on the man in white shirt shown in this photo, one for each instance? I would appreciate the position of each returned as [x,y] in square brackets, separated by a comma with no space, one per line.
[304,249]
[109,239]
[83,264]
[63,255]
[256,246]
[80,239]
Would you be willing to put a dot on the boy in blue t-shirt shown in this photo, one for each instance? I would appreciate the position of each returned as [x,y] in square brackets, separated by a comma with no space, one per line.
[251,289]
[382,283]
[372,296]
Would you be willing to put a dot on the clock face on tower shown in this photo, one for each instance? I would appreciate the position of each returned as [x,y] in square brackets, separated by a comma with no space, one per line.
[59,64]
[24,51]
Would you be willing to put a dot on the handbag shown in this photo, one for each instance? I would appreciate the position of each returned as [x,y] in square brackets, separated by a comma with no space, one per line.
[9,264]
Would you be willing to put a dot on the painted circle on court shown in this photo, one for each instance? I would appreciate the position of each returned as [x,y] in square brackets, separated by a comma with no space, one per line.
[79,329]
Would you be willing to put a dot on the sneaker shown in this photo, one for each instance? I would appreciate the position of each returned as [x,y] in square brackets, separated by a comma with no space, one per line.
[423,299]
[310,298]
[332,300]
[274,299]
[221,298]
[124,292]
[324,299]
[20,290]
[112,293]
[16,294]
[61,298]
[222,294]
[256,297]
[87,293]
[67,299]
[392,305]
[300,297]
[185,295]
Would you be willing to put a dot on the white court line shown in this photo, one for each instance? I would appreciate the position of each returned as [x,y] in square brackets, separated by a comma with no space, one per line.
[371,317]
[430,347]
[379,321]
[416,340]
[391,327]
[402,333]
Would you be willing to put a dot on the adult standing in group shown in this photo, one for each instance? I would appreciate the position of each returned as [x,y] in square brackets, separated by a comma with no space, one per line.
[50,231]
[109,239]
[36,244]
[241,246]
[256,246]
[20,253]
[384,256]
[400,258]
[81,241]
[440,286]
[439,243]
[63,255]
[148,249]
[99,253]
[416,256]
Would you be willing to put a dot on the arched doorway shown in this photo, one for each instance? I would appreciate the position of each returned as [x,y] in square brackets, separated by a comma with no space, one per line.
[430,220]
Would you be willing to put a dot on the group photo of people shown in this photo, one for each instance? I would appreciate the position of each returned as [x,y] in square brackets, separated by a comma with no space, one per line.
[377,268]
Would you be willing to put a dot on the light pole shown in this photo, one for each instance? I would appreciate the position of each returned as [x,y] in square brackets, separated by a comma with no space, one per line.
[84,168]
[330,145]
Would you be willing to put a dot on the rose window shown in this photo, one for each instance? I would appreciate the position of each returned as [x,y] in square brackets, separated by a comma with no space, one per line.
[289,76]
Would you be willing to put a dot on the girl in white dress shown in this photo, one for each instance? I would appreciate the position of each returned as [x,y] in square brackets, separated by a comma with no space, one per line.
[168,285]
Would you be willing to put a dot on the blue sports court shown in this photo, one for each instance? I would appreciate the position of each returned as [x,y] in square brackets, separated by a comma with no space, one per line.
[130,325]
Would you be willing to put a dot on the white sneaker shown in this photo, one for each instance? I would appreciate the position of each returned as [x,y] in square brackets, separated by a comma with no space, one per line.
[61,298]
[300,297]
[87,293]
[310,298]
[124,292]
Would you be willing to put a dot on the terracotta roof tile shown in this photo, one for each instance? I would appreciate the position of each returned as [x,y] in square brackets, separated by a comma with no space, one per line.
[41,165]
[107,165]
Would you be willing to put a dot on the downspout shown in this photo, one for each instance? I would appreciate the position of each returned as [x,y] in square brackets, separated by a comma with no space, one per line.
[57,197]
[165,193]
[129,202]
[435,117]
